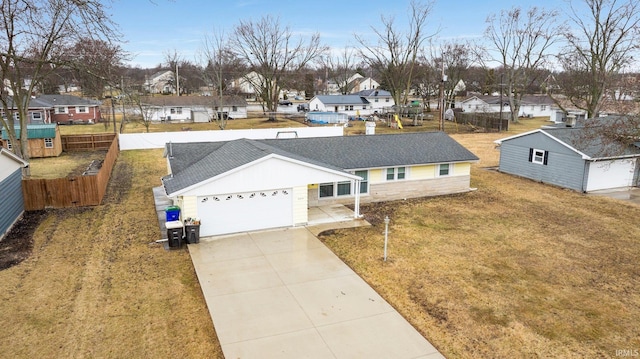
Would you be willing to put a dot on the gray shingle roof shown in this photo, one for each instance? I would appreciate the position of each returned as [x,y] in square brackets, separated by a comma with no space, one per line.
[374,93]
[592,144]
[192,163]
[67,100]
[186,101]
[342,100]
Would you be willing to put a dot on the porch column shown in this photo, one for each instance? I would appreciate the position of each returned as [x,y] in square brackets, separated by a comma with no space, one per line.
[356,205]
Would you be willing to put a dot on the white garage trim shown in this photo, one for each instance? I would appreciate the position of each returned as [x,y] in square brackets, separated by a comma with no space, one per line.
[611,174]
[247,211]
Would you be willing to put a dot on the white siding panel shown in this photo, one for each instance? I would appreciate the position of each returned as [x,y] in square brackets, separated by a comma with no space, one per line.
[300,205]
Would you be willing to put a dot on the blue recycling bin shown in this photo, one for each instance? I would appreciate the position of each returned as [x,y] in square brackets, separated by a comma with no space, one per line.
[172,213]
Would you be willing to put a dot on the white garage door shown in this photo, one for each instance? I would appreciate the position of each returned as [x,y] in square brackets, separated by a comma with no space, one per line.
[610,174]
[240,212]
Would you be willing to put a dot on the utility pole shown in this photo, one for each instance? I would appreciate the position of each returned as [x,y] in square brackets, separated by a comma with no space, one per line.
[442,99]
[501,101]
[220,104]
[177,80]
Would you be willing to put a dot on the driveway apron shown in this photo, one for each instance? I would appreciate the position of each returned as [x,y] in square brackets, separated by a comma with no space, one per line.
[284,294]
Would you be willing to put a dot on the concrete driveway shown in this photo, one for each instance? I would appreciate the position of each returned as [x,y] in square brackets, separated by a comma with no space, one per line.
[284,294]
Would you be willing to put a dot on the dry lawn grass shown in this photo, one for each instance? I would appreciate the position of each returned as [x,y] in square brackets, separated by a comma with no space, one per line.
[96,286]
[138,127]
[516,269]
[67,164]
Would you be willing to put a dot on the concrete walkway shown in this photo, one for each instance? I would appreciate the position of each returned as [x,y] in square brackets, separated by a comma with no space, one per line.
[284,294]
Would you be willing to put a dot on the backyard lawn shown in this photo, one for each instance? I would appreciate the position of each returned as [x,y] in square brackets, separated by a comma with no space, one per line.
[515,269]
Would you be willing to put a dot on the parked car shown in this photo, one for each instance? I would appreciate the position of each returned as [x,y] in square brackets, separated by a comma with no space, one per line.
[285,103]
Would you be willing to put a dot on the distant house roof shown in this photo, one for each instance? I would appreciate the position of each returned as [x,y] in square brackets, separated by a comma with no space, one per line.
[192,163]
[342,99]
[187,101]
[66,100]
[35,131]
[526,99]
[374,93]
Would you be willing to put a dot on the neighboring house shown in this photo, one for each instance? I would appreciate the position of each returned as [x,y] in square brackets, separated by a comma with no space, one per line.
[244,185]
[363,84]
[363,103]
[44,140]
[38,112]
[530,106]
[69,109]
[568,158]
[247,84]
[193,108]
[61,109]
[10,190]
[380,100]
[161,82]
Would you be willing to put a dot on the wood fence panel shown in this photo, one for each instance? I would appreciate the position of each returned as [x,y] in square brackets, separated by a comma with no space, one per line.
[74,191]
[89,142]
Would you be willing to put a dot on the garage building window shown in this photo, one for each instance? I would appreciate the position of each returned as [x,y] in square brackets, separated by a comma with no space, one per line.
[540,157]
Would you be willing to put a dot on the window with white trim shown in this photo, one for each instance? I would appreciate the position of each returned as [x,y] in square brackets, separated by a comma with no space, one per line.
[9,145]
[344,188]
[364,184]
[36,117]
[176,110]
[396,173]
[82,109]
[538,156]
[444,169]
[326,190]
[61,109]
[48,143]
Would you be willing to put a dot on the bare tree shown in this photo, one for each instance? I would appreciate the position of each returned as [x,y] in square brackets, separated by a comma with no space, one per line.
[602,41]
[457,58]
[395,54]
[138,102]
[217,56]
[271,51]
[172,59]
[521,43]
[35,36]
[339,68]
[96,64]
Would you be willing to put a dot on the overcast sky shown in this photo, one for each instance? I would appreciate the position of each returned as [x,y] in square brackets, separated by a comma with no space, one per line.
[152,28]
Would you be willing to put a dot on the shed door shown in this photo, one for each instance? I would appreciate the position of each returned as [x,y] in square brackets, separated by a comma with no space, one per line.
[610,174]
[240,212]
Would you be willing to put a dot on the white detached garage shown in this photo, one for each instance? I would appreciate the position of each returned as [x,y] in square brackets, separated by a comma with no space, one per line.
[244,185]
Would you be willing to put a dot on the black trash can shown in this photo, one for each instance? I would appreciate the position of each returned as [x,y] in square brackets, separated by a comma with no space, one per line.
[192,230]
[174,233]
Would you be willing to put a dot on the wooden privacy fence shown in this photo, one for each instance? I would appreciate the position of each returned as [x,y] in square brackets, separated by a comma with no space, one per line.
[89,142]
[76,191]
[490,122]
